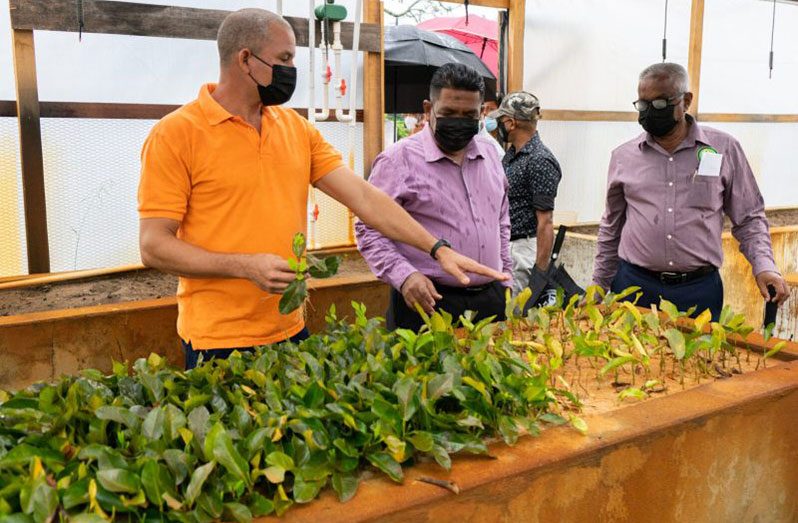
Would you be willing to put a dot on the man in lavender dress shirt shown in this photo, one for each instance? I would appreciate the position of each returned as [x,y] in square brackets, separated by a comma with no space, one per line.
[452,182]
[667,192]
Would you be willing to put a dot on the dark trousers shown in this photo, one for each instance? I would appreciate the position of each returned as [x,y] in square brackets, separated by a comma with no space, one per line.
[486,301]
[703,293]
[192,356]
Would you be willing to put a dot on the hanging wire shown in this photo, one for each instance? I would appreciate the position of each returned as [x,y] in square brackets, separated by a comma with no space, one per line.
[466,10]
[772,35]
[665,34]
[81,25]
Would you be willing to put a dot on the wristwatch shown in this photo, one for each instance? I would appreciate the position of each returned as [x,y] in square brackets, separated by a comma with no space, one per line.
[440,243]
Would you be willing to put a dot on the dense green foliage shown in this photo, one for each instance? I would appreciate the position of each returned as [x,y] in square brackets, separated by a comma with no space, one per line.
[256,433]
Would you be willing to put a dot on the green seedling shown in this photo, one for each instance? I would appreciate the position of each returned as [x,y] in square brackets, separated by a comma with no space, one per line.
[304,264]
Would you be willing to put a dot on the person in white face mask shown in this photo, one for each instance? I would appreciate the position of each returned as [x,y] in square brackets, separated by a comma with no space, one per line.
[487,126]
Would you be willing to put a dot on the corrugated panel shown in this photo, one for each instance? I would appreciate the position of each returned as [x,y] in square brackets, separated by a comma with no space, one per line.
[587,55]
[734,63]
[583,150]
[770,149]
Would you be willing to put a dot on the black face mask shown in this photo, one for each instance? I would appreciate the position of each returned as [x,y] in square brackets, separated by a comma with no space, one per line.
[282,87]
[658,122]
[454,134]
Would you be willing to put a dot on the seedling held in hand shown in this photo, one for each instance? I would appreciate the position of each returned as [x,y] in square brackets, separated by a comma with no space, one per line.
[304,264]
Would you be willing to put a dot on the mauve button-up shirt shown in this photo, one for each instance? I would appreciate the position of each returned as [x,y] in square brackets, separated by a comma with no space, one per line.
[662,216]
[466,205]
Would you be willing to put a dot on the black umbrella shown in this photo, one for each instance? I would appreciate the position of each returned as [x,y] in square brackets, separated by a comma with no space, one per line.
[411,57]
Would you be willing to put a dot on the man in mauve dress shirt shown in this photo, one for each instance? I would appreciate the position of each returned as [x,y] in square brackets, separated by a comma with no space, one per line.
[451,181]
[667,192]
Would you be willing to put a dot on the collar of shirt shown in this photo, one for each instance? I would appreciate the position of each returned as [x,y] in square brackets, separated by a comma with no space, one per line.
[213,110]
[695,134]
[433,153]
[529,147]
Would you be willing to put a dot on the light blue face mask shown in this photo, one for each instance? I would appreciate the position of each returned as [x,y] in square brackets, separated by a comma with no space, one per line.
[490,124]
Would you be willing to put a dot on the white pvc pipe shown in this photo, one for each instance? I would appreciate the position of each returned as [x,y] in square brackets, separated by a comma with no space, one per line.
[324,114]
[340,114]
[280,7]
[312,68]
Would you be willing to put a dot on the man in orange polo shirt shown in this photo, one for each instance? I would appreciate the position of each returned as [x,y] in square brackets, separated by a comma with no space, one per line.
[224,188]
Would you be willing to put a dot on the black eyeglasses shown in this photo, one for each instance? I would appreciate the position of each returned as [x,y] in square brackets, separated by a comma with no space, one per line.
[659,103]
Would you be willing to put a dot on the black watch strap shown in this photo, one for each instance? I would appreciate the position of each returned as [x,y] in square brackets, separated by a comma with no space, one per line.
[440,243]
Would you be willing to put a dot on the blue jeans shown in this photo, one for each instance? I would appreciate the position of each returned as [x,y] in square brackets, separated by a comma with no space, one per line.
[704,293]
[192,356]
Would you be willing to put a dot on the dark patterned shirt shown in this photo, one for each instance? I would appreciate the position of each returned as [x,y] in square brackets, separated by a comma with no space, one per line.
[533,174]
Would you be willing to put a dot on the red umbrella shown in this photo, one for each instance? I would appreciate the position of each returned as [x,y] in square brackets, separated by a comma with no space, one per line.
[478,33]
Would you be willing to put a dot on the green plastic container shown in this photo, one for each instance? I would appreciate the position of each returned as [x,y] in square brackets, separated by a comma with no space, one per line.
[330,11]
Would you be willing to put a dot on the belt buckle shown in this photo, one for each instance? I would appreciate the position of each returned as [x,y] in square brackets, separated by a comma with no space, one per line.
[672,277]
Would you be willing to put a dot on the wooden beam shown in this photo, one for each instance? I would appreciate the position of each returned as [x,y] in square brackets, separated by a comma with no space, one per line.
[31,160]
[373,93]
[112,111]
[564,115]
[127,18]
[694,52]
[515,47]
[748,118]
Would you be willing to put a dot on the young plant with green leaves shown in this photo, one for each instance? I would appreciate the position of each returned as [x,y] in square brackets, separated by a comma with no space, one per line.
[304,264]
[256,433]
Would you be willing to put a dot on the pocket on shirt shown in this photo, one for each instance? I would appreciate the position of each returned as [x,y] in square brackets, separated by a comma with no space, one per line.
[704,193]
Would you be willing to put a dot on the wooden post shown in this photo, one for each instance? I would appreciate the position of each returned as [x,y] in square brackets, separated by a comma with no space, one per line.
[694,57]
[373,92]
[515,47]
[30,143]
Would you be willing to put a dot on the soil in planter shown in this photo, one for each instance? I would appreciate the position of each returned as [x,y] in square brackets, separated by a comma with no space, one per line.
[136,285]
[599,395]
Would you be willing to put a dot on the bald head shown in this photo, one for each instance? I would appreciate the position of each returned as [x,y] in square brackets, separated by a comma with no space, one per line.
[247,29]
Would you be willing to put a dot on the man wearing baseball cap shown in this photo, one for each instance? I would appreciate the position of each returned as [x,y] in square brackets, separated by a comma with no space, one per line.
[533,174]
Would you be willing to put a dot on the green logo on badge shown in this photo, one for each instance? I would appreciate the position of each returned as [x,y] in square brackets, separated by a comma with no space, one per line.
[703,150]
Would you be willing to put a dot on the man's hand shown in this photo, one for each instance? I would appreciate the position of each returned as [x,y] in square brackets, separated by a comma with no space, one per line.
[417,288]
[269,272]
[457,265]
[763,279]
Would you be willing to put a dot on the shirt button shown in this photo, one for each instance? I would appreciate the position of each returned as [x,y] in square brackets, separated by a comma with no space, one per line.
[670,209]
[670,184]
[670,159]
[670,263]
[669,236]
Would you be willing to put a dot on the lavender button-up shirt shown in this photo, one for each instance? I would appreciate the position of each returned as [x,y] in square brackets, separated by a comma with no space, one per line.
[466,205]
[662,216]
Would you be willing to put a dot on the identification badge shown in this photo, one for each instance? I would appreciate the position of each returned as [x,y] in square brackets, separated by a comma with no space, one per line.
[709,162]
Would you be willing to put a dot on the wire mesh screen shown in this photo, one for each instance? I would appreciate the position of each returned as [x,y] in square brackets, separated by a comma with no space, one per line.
[13,253]
[333,225]
[91,172]
[91,178]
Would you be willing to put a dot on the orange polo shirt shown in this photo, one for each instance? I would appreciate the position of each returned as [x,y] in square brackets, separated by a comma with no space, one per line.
[233,191]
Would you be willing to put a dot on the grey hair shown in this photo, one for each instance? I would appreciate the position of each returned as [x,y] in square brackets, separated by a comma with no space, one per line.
[675,72]
[245,29]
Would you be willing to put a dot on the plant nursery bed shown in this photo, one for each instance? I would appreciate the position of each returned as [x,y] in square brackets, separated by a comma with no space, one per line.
[539,418]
